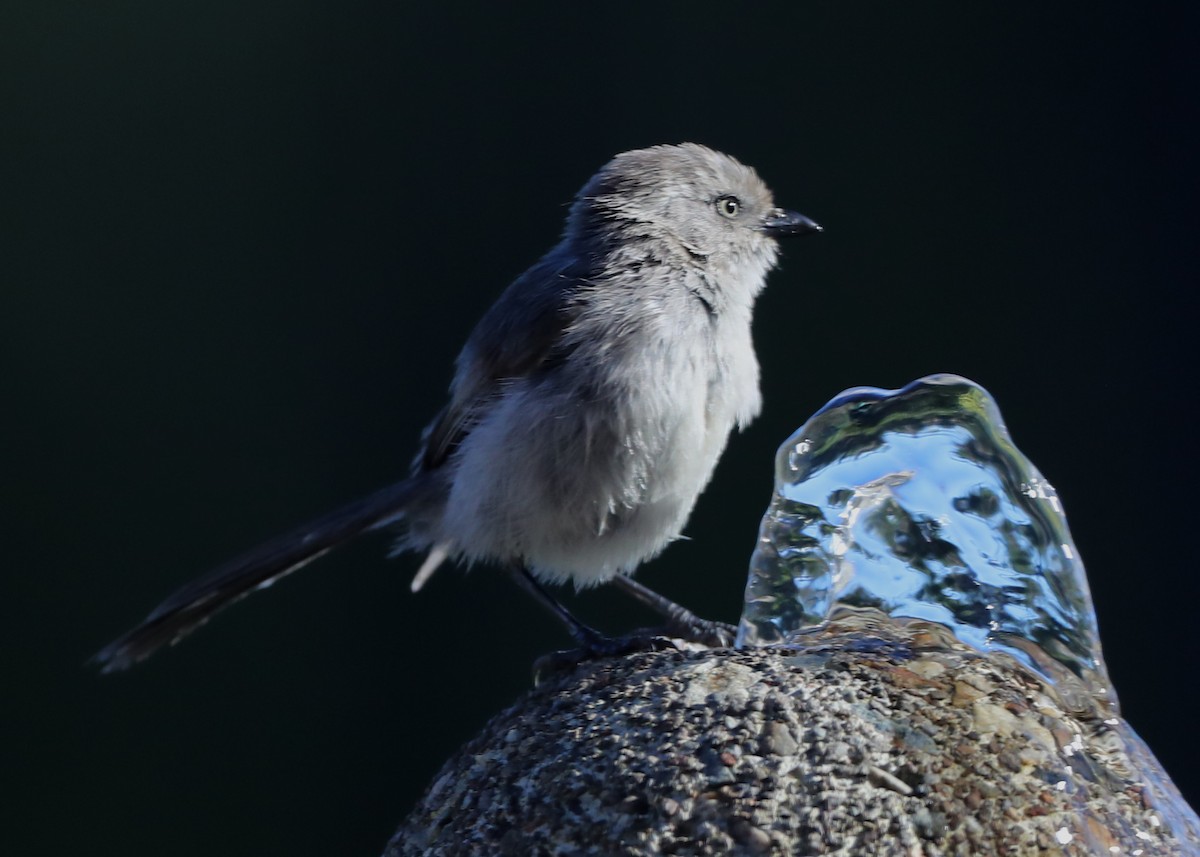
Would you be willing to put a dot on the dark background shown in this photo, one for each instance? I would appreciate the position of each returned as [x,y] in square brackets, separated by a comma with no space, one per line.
[242,243]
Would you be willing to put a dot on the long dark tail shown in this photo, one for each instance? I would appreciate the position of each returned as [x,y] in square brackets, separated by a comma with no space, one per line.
[194,604]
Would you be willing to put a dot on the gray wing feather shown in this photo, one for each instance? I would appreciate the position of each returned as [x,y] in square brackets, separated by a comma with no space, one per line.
[521,334]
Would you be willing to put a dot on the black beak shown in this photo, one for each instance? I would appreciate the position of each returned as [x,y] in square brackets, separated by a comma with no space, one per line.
[780,222]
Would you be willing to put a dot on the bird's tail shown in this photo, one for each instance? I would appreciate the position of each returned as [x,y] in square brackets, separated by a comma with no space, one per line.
[194,604]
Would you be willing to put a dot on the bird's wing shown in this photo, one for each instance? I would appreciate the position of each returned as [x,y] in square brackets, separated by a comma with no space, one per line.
[520,335]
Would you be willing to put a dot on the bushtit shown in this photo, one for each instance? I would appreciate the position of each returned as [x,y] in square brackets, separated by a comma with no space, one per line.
[589,405]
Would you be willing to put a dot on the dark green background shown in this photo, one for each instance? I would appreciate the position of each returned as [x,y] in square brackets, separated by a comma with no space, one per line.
[242,242]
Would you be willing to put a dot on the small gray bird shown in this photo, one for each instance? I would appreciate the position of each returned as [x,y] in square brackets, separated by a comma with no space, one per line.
[588,408]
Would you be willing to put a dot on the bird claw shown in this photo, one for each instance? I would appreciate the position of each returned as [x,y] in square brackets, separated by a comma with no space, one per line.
[704,634]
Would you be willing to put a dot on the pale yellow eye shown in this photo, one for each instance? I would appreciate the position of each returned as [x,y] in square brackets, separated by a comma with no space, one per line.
[729,206]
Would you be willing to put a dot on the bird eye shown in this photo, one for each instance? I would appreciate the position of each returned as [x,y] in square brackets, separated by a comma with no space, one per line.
[729,206]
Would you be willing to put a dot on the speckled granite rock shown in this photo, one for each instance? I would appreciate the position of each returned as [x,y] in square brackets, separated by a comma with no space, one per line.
[858,747]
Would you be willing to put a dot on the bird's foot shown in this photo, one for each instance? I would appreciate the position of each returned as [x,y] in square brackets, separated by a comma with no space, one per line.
[595,646]
[704,632]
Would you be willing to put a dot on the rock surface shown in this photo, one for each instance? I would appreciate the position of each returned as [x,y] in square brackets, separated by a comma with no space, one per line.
[858,746]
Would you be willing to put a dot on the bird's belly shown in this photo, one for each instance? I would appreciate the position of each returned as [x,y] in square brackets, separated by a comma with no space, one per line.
[585,490]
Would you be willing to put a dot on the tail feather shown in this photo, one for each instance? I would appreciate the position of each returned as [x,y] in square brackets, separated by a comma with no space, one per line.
[437,555]
[194,604]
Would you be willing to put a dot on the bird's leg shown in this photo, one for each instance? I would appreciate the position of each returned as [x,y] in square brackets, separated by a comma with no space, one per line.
[587,637]
[680,620]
